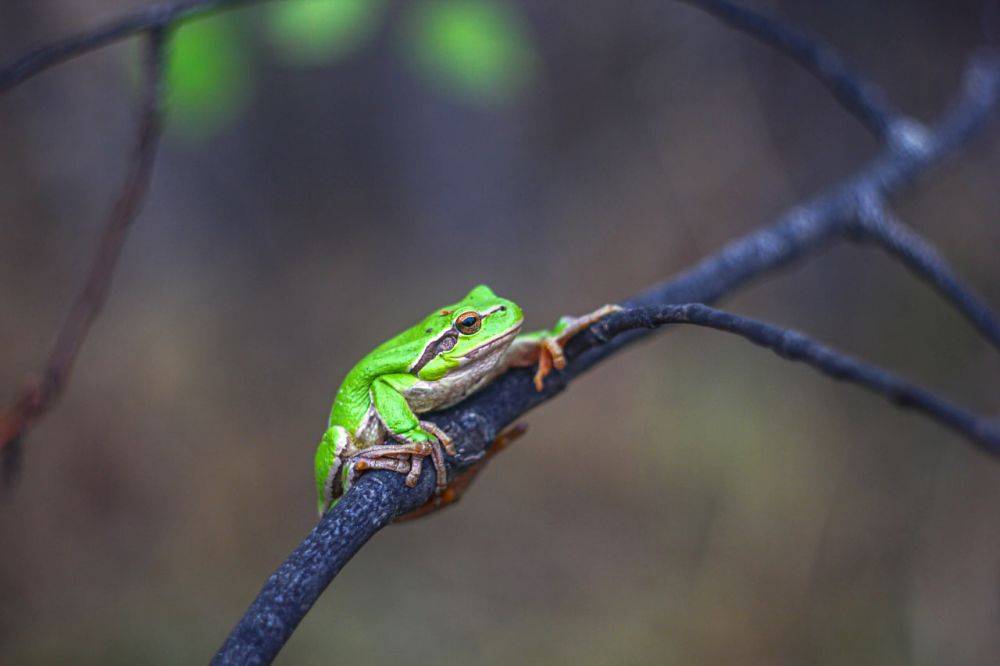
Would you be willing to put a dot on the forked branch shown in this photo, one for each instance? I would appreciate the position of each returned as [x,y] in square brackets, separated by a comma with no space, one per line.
[378,497]
[876,224]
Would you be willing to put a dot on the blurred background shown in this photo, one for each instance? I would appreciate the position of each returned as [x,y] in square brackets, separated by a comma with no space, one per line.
[332,171]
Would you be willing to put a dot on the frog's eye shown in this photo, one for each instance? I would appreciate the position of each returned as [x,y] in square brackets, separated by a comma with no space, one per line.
[468,322]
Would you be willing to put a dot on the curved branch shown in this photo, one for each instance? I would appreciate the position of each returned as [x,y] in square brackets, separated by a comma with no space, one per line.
[475,423]
[141,20]
[878,225]
[860,97]
[795,346]
[37,396]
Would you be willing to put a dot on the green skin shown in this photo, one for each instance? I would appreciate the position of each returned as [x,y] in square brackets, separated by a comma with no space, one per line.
[430,366]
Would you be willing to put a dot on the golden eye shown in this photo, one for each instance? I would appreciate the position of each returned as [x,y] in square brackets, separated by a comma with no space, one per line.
[468,322]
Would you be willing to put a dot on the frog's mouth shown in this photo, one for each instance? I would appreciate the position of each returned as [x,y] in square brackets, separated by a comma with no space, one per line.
[500,342]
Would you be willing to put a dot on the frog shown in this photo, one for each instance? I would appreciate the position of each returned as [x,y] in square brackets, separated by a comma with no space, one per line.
[450,354]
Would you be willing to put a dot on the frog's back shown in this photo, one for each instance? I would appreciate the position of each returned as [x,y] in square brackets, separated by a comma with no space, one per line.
[353,399]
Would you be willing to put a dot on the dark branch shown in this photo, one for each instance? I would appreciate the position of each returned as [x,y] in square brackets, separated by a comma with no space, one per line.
[861,98]
[39,395]
[878,225]
[141,20]
[797,347]
[379,496]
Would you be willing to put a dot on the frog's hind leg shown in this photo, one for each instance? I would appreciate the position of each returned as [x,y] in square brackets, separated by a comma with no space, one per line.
[336,446]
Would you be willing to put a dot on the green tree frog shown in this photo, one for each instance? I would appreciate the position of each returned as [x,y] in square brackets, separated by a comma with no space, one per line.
[450,354]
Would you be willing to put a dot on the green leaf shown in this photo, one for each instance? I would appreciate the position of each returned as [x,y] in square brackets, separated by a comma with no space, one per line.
[208,76]
[311,32]
[477,49]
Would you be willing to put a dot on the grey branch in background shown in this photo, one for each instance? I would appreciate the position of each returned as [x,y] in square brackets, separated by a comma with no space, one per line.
[861,98]
[37,396]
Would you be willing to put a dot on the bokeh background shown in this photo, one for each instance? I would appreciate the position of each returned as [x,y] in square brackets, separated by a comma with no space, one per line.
[334,170]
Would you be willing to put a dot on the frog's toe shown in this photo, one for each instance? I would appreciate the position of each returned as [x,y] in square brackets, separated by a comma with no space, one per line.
[416,465]
[554,348]
[441,436]
[388,464]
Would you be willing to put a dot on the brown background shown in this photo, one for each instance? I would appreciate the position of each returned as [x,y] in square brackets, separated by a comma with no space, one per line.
[780,518]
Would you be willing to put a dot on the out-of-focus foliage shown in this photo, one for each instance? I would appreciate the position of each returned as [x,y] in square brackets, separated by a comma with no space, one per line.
[209,76]
[475,48]
[313,32]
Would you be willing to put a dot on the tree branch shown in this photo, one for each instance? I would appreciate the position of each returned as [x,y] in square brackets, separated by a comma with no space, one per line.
[858,96]
[795,346]
[377,497]
[877,224]
[38,395]
[144,19]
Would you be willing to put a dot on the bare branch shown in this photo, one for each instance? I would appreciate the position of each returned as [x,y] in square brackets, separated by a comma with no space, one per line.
[473,425]
[797,347]
[37,396]
[859,96]
[878,225]
[141,20]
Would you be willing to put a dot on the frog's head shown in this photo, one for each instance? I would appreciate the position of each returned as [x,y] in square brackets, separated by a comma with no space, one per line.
[474,331]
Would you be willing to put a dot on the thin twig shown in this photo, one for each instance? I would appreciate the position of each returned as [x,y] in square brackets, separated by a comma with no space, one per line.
[860,97]
[39,395]
[795,346]
[878,225]
[145,19]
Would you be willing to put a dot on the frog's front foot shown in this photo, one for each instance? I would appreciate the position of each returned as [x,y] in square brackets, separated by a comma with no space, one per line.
[550,347]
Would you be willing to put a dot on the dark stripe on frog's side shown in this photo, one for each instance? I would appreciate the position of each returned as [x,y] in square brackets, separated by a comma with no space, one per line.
[431,350]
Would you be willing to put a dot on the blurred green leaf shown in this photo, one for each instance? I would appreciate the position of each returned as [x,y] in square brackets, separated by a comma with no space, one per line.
[208,76]
[309,32]
[478,49]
